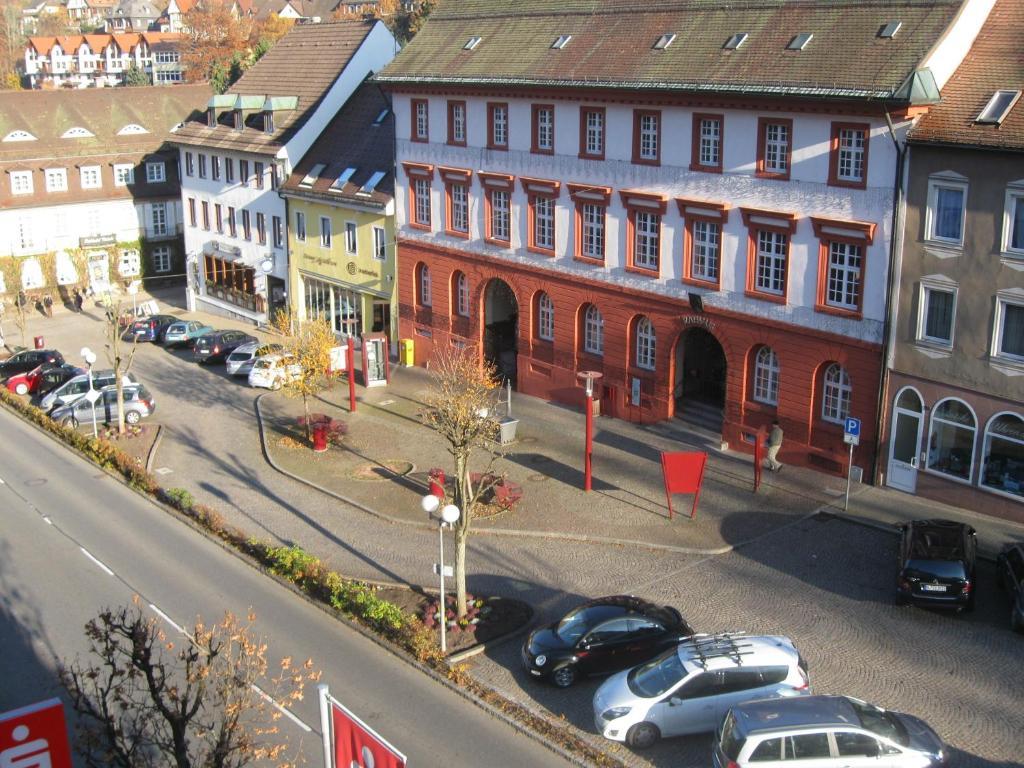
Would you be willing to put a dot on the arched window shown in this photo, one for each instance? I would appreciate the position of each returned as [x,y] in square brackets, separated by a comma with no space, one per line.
[645,344]
[593,331]
[545,317]
[766,376]
[424,285]
[31,274]
[461,293]
[19,136]
[130,129]
[835,394]
[951,439]
[1002,457]
[78,132]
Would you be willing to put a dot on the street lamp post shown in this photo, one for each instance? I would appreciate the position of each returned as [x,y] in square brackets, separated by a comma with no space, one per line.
[90,358]
[449,516]
[588,378]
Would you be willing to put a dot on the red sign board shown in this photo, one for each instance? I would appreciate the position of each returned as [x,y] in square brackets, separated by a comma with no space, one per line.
[357,746]
[684,473]
[35,736]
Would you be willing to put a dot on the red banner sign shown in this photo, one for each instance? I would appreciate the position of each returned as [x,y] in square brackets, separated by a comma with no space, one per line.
[683,473]
[35,736]
[356,746]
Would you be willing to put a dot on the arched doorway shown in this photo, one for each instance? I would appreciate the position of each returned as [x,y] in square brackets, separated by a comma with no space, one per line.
[501,329]
[699,386]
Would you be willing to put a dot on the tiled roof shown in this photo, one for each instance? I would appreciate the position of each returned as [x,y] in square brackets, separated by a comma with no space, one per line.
[995,63]
[126,41]
[613,42]
[352,139]
[304,63]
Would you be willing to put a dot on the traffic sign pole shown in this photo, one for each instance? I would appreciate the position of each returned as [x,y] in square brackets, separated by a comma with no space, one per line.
[851,436]
[849,476]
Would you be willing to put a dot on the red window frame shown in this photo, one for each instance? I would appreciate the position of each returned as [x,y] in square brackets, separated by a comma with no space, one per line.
[418,277]
[535,148]
[414,105]
[588,194]
[693,211]
[762,139]
[414,171]
[540,188]
[695,163]
[638,115]
[584,154]
[451,123]
[452,177]
[643,202]
[833,156]
[491,182]
[492,108]
[828,231]
[779,222]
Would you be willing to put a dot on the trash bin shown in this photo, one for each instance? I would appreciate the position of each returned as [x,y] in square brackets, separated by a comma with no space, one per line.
[437,479]
[507,428]
[406,352]
[319,438]
[40,342]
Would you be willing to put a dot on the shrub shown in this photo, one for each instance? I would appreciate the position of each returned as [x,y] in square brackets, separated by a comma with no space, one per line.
[179,498]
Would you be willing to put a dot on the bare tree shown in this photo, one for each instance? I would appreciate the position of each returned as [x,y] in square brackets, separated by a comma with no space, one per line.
[309,344]
[461,407]
[120,358]
[20,317]
[146,700]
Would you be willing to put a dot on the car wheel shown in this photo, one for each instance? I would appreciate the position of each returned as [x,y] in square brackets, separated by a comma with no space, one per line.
[21,389]
[132,417]
[643,736]
[69,421]
[564,677]
[275,385]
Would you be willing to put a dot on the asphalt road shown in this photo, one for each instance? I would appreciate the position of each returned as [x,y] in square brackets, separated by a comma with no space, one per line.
[73,540]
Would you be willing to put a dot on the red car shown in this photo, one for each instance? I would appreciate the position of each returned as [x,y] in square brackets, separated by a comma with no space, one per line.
[46,375]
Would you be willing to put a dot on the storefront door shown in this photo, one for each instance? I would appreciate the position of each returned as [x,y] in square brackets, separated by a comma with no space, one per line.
[905,441]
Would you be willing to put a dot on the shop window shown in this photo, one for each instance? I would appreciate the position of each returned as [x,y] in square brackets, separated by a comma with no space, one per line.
[951,439]
[836,391]
[1002,467]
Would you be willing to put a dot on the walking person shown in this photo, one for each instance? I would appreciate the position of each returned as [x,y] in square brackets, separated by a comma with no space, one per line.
[774,445]
[79,300]
[48,305]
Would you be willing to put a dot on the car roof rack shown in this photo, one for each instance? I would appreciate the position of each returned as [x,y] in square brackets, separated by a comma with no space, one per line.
[704,647]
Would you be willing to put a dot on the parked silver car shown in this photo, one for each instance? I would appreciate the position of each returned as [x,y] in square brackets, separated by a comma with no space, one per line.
[139,403]
[73,389]
[240,361]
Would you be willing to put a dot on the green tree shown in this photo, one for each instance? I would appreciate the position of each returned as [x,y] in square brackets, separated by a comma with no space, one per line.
[135,76]
[308,344]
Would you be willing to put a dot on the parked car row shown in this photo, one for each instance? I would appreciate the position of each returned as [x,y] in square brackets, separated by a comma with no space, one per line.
[753,691]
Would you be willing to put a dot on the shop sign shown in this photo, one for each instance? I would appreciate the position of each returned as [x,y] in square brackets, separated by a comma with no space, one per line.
[97,241]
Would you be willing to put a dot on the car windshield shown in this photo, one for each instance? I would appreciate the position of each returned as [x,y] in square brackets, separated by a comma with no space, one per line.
[880,722]
[657,675]
[176,328]
[942,569]
[576,624]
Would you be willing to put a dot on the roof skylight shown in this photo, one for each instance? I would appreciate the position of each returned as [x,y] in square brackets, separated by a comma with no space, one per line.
[342,180]
[370,185]
[382,116]
[998,107]
[472,43]
[314,173]
[735,41]
[19,136]
[799,42]
[561,41]
[888,31]
[131,128]
[76,133]
[664,42]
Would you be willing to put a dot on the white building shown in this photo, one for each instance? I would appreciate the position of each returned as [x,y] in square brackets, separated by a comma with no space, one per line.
[236,154]
[82,61]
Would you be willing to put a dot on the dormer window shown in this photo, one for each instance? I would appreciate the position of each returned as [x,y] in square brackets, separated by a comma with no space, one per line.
[237,116]
[19,136]
[132,129]
[998,107]
[76,133]
[268,122]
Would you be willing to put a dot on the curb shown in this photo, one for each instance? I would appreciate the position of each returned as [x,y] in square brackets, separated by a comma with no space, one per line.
[151,457]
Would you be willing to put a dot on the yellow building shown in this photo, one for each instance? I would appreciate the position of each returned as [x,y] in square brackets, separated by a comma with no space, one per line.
[341,221]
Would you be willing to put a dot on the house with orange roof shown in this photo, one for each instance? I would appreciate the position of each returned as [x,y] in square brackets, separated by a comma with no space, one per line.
[83,61]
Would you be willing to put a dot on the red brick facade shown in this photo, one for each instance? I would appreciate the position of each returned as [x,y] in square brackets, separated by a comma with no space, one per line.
[548,369]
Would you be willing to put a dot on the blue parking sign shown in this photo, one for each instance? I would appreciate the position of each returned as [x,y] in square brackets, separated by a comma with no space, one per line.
[852,427]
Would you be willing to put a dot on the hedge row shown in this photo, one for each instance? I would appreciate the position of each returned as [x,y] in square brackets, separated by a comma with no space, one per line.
[355,599]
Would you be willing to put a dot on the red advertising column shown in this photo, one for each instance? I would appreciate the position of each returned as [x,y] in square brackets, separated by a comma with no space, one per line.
[35,735]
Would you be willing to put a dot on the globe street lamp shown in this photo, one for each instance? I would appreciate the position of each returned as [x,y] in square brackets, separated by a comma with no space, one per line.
[90,358]
[450,515]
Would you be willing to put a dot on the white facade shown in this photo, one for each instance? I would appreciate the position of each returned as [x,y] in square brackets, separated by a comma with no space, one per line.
[807,193]
[81,66]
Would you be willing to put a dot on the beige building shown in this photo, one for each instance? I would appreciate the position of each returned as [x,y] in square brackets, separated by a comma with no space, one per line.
[954,411]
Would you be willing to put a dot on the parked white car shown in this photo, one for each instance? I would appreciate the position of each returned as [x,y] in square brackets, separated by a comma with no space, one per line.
[273,371]
[689,688]
[241,360]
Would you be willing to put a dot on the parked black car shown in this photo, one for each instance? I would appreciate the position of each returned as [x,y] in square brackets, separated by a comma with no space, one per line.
[602,636]
[27,359]
[1011,577]
[215,347]
[150,329]
[937,559]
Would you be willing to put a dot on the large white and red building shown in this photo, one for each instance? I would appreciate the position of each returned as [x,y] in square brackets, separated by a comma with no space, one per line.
[697,203]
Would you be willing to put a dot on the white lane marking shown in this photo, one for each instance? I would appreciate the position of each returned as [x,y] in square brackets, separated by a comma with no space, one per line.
[281,709]
[47,520]
[1,481]
[91,557]
[166,618]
